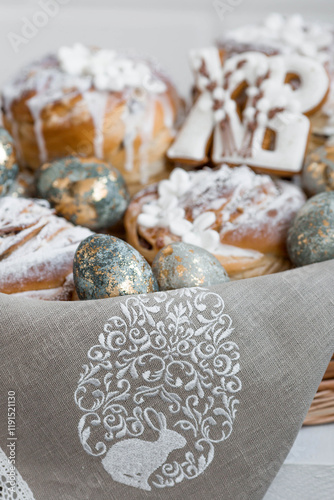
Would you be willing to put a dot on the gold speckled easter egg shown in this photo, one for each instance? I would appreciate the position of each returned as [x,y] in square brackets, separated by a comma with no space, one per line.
[8,166]
[180,265]
[105,266]
[311,236]
[318,171]
[86,191]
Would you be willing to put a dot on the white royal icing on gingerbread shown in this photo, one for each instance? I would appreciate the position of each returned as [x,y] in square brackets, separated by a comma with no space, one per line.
[202,191]
[271,104]
[292,35]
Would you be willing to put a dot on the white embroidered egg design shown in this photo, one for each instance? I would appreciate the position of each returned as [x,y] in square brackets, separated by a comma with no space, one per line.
[159,391]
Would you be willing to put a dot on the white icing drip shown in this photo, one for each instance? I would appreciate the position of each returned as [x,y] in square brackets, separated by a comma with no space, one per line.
[35,108]
[15,129]
[138,118]
[257,200]
[49,85]
[169,117]
[96,103]
[131,131]
[146,133]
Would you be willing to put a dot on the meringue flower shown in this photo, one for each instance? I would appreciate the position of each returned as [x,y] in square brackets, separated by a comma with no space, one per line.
[165,212]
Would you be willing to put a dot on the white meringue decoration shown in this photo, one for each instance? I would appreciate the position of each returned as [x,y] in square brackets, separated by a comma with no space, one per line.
[165,212]
[180,227]
[291,34]
[147,220]
[204,221]
[108,70]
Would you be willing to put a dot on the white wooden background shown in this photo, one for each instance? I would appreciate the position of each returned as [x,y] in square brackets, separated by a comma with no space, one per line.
[165,29]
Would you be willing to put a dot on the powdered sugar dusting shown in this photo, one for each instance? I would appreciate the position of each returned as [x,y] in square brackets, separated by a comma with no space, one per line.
[36,246]
[205,207]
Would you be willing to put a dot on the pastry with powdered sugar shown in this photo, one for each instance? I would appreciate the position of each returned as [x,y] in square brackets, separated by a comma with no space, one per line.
[36,250]
[239,216]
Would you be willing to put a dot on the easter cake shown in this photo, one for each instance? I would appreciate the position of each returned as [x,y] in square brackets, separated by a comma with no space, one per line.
[239,216]
[36,250]
[93,102]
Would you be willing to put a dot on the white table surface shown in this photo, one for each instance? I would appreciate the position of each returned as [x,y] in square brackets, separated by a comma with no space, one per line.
[308,472]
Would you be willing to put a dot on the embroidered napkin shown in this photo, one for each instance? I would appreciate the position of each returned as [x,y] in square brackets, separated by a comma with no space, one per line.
[192,393]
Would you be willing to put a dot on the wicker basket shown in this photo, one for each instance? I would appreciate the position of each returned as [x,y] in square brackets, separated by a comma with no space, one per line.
[322,407]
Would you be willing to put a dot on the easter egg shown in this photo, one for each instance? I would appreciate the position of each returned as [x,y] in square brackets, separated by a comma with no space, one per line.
[181,265]
[318,171]
[85,191]
[24,186]
[311,236]
[8,166]
[105,266]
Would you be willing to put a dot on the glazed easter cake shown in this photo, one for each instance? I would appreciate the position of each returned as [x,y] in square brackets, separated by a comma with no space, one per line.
[93,102]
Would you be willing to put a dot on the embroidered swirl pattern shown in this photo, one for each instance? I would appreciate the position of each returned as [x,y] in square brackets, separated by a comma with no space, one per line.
[169,353]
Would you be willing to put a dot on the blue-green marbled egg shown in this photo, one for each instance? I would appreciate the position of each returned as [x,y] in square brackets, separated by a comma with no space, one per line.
[8,165]
[311,235]
[86,191]
[105,266]
[318,171]
[180,265]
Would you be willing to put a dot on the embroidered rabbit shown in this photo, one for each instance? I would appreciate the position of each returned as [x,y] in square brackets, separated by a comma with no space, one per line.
[132,461]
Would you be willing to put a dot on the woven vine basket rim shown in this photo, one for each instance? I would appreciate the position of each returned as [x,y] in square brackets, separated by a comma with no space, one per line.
[322,407]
